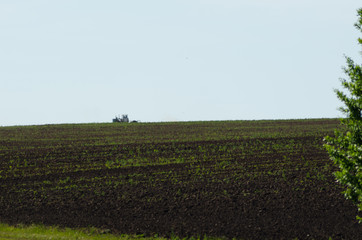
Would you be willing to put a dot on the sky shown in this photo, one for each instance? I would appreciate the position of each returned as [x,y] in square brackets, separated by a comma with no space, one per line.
[83,61]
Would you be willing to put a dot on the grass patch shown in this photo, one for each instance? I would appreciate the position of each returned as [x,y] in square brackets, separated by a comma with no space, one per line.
[39,232]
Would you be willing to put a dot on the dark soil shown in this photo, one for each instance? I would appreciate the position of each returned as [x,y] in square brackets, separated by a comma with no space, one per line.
[269,195]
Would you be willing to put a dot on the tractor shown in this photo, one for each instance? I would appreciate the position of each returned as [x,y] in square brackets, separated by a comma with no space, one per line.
[124,119]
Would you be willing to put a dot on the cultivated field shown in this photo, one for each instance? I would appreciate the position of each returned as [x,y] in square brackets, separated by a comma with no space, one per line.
[243,179]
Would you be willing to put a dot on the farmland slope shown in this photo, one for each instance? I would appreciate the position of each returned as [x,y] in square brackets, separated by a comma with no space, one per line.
[244,179]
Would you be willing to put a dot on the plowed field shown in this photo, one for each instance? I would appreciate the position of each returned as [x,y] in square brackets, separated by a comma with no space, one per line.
[243,179]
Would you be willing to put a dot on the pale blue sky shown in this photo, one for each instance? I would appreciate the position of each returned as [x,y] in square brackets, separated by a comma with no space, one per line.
[75,61]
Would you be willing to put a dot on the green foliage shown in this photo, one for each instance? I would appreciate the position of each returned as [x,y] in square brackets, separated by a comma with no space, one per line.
[345,148]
